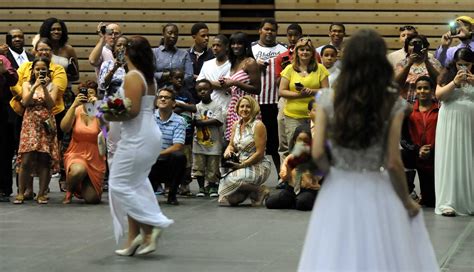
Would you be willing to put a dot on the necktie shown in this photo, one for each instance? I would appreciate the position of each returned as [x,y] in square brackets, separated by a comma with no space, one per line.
[20,60]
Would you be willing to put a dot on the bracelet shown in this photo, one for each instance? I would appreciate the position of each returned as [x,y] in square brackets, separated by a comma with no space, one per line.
[456,85]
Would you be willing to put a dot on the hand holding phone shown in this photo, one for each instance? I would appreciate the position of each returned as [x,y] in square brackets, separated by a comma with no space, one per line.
[299,86]
[453,28]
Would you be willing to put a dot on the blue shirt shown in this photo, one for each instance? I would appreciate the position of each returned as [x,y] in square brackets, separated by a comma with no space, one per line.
[168,60]
[173,130]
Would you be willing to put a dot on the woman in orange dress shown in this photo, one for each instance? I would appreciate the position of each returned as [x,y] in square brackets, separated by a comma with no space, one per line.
[85,166]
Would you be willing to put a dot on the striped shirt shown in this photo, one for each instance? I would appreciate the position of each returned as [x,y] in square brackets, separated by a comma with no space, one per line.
[268,80]
[173,130]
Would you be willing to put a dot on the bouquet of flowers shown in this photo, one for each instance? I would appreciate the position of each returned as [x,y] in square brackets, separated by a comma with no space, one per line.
[115,105]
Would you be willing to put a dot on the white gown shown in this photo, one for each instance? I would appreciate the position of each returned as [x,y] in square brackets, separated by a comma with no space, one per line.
[130,191]
[358,222]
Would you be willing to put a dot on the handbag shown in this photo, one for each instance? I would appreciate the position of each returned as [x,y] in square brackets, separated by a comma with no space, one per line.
[72,70]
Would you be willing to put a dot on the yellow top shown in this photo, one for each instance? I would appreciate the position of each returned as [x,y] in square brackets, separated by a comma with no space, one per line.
[298,107]
[58,78]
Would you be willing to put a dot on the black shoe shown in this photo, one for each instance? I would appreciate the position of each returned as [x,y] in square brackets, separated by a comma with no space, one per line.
[4,198]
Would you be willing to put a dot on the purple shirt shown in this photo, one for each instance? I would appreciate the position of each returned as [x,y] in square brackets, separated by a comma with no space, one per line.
[446,55]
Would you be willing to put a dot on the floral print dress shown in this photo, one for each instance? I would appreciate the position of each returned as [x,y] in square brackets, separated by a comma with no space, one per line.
[35,135]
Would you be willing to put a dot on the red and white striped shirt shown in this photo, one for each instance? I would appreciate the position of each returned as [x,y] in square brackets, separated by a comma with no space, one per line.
[268,80]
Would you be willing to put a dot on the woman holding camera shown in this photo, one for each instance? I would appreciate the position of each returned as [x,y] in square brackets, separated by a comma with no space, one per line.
[300,82]
[417,63]
[245,156]
[454,156]
[85,166]
[38,152]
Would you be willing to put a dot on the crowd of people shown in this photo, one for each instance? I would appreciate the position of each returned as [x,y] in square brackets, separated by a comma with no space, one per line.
[212,112]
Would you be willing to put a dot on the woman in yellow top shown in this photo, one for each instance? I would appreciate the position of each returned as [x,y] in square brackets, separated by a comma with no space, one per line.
[300,82]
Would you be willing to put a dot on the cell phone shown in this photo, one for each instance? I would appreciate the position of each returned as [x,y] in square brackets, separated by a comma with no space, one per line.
[43,73]
[417,47]
[121,56]
[102,29]
[8,39]
[453,28]
[83,91]
[299,85]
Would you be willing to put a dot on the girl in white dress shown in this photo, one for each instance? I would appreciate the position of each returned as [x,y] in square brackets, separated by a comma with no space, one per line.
[130,192]
[454,156]
[363,218]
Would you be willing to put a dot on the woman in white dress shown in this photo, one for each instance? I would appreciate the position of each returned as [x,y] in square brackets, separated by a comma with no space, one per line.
[454,157]
[130,192]
[363,218]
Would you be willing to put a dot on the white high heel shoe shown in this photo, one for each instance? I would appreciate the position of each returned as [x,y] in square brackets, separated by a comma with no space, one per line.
[132,248]
[155,234]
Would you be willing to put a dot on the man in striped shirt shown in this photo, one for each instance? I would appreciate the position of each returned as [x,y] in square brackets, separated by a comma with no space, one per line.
[264,51]
[171,163]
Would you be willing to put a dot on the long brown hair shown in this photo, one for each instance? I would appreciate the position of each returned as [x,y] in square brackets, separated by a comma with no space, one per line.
[363,100]
[313,65]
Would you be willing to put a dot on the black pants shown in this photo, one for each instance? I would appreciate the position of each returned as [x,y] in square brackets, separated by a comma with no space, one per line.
[7,150]
[269,119]
[287,199]
[169,169]
[427,186]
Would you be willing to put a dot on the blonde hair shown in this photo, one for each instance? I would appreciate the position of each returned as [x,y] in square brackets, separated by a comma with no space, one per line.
[255,108]
[313,65]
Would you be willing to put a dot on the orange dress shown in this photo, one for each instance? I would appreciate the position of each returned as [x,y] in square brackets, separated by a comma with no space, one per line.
[83,150]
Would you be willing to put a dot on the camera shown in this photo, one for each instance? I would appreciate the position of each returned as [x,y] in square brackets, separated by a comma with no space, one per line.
[230,161]
[48,126]
[453,28]
[83,90]
[121,56]
[102,29]
[417,47]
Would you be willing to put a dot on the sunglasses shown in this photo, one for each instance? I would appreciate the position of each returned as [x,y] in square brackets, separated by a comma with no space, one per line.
[305,41]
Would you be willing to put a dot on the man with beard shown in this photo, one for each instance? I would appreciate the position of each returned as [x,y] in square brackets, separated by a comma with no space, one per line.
[464,28]
[264,51]
[108,35]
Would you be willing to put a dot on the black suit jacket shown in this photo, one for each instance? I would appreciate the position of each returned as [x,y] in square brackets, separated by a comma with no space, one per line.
[13,60]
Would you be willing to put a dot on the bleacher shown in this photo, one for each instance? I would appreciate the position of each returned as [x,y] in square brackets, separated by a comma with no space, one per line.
[148,17]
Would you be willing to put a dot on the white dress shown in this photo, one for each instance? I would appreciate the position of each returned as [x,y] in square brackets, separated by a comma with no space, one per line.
[130,191]
[454,155]
[358,223]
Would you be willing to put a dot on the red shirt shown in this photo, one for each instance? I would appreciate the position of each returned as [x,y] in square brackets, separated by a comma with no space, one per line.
[422,127]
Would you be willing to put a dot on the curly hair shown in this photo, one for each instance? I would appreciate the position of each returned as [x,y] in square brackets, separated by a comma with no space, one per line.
[45,30]
[364,94]
[449,73]
[140,54]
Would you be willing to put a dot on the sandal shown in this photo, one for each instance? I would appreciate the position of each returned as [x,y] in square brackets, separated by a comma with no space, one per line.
[67,198]
[448,212]
[42,199]
[19,199]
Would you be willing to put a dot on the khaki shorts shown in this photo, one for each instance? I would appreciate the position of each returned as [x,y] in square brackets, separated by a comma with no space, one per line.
[188,152]
[207,166]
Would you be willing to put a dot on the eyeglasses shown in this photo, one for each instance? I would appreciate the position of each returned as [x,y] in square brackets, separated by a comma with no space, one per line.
[164,97]
[407,27]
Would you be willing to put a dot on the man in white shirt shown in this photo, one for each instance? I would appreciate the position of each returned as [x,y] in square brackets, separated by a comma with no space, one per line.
[108,35]
[396,56]
[217,68]
[264,51]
